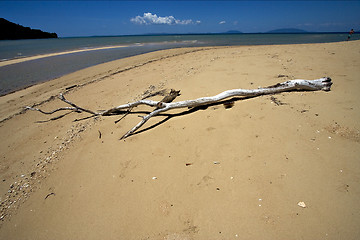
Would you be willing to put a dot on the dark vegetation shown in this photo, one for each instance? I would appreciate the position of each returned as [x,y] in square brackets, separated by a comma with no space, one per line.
[12,31]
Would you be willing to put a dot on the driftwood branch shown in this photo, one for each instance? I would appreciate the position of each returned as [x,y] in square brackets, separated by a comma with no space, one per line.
[166,104]
[148,95]
[74,107]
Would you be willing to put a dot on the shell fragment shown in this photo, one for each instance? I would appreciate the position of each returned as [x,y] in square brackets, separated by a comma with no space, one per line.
[301,204]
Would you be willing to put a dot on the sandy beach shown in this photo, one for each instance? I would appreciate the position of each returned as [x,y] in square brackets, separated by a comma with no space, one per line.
[214,173]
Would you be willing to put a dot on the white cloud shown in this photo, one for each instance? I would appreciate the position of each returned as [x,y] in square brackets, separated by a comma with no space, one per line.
[222,22]
[149,18]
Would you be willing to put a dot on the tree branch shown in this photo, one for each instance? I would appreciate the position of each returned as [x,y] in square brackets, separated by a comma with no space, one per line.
[167,104]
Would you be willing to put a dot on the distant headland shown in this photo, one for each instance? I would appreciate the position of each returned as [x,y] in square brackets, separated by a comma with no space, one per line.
[13,31]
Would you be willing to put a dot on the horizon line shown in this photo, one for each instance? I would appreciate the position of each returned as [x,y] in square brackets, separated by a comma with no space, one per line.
[215,33]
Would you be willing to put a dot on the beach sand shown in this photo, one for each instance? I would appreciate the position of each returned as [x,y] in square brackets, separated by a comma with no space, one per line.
[215,173]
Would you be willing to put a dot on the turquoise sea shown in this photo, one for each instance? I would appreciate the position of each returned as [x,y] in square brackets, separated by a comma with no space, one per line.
[20,75]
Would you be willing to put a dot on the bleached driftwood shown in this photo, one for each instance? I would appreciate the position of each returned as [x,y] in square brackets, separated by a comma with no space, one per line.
[299,84]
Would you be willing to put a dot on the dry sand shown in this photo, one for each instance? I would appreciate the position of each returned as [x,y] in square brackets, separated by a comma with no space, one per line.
[216,173]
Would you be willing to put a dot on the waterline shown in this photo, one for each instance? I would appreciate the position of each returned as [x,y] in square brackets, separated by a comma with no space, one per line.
[19,60]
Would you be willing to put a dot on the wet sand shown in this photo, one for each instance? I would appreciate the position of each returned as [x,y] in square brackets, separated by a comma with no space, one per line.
[24,59]
[214,173]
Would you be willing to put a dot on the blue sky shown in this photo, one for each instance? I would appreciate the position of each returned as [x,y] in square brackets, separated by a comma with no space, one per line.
[89,18]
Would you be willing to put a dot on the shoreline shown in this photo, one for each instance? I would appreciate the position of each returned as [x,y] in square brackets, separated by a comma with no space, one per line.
[270,154]
[70,54]
[42,56]
[159,54]
[40,68]
[30,71]
[24,59]
[57,85]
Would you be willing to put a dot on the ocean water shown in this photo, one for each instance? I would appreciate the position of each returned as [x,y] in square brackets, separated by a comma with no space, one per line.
[20,75]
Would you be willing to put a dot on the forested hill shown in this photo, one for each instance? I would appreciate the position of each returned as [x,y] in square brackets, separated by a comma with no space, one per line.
[12,31]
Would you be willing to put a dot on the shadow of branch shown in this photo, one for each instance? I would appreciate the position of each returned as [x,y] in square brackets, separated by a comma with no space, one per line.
[189,111]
